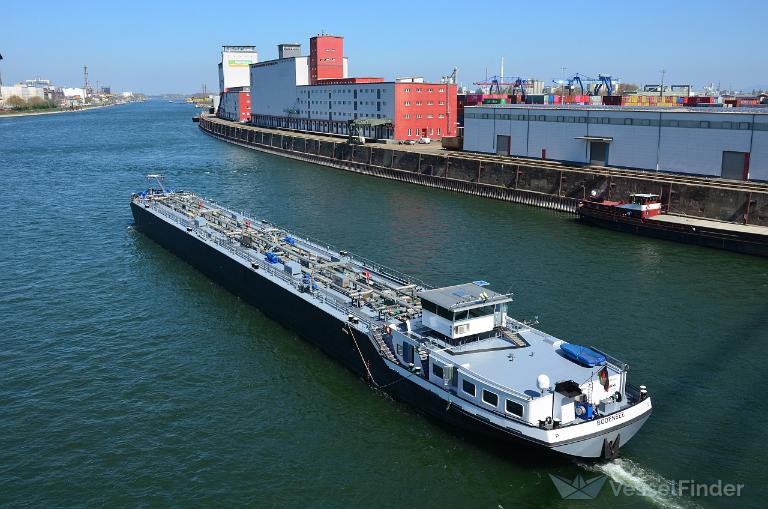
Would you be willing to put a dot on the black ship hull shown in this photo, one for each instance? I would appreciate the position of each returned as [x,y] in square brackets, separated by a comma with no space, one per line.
[328,333]
[730,240]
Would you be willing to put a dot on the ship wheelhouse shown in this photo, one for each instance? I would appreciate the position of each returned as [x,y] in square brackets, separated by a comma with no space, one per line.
[465,343]
[464,312]
[642,205]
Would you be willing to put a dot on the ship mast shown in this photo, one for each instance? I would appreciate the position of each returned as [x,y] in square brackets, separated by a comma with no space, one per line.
[157,178]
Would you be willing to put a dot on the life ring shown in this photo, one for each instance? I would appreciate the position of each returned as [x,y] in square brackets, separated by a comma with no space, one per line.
[388,329]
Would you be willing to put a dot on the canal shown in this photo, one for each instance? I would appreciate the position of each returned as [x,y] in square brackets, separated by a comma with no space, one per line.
[129,378]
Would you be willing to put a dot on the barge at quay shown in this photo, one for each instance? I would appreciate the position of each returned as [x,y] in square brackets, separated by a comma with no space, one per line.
[643,214]
[452,352]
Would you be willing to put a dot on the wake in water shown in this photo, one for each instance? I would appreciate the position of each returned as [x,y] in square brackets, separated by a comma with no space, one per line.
[643,482]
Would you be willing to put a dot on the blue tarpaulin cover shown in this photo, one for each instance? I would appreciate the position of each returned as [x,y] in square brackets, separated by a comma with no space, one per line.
[583,354]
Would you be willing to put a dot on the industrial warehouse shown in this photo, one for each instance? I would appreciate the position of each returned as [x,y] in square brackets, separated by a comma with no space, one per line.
[663,128]
[732,144]
[315,93]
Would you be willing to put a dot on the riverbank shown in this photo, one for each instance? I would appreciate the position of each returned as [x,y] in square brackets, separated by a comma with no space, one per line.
[52,111]
[129,378]
[544,184]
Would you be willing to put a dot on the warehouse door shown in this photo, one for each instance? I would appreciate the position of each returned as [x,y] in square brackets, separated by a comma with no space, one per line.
[598,153]
[503,145]
[735,165]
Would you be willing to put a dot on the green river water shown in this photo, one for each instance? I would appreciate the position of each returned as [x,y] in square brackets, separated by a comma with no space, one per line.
[127,378]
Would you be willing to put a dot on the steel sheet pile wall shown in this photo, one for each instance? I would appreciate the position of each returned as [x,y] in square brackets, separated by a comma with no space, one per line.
[553,186]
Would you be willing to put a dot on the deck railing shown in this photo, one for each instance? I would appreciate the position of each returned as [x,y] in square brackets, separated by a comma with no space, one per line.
[322,294]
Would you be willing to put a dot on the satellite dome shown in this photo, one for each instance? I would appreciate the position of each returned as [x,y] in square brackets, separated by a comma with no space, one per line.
[542,382]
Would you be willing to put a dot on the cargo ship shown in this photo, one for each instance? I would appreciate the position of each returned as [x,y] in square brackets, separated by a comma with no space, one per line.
[643,214]
[452,353]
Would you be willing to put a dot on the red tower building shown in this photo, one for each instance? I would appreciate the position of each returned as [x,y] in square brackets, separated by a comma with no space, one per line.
[326,58]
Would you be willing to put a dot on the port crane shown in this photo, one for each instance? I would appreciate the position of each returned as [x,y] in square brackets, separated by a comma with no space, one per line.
[451,78]
[602,80]
[494,84]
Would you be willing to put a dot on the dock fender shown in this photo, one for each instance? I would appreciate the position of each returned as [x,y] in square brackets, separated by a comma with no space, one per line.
[611,449]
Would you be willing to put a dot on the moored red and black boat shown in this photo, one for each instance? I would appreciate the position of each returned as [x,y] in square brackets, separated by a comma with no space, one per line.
[643,214]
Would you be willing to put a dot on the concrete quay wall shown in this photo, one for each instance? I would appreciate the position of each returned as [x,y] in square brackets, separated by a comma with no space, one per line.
[550,186]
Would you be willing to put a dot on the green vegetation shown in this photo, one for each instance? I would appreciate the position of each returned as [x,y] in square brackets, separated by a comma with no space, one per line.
[627,88]
[17,104]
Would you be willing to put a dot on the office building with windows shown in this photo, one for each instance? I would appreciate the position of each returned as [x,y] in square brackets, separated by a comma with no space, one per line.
[315,93]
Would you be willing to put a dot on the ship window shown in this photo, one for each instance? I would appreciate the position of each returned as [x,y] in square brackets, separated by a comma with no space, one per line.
[400,349]
[460,315]
[490,397]
[482,311]
[425,304]
[407,353]
[437,370]
[445,313]
[514,408]
[468,387]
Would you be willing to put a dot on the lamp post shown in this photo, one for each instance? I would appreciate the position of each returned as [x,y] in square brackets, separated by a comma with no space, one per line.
[562,87]
[1,83]
[661,88]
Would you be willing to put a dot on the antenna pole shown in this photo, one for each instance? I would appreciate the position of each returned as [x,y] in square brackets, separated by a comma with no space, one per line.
[85,82]
[159,179]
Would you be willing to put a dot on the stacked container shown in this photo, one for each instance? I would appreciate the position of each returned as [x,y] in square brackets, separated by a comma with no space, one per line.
[744,101]
[667,101]
[556,99]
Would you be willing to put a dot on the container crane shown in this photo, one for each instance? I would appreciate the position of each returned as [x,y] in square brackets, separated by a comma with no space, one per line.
[601,81]
[451,78]
[496,82]
[605,81]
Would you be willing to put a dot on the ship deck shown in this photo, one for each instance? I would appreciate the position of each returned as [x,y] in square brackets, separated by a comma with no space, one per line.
[510,358]
[349,283]
[725,226]
[518,367]
[512,362]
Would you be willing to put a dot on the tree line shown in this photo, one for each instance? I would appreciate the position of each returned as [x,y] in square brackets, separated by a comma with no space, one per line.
[17,103]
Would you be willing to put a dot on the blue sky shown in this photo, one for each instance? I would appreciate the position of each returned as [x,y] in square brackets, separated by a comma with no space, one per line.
[174,46]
